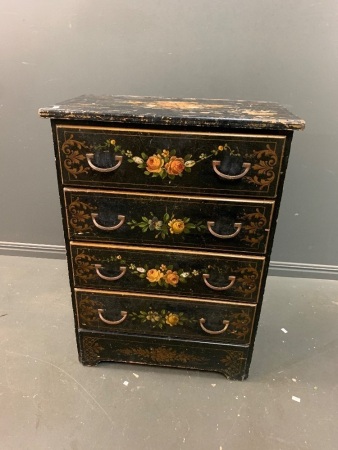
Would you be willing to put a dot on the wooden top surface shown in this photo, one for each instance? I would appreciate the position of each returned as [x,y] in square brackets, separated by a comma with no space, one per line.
[175,112]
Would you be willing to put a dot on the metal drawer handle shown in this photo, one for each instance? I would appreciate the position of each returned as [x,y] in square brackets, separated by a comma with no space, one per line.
[246,167]
[90,156]
[224,236]
[104,277]
[114,227]
[226,323]
[231,278]
[124,315]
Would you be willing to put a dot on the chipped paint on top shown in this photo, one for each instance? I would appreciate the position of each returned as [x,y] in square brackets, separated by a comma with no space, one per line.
[176,112]
[170,104]
[255,112]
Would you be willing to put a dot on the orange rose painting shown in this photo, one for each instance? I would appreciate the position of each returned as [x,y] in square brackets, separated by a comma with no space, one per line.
[168,225]
[163,275]
[154,164]
[175,166]
[163,164]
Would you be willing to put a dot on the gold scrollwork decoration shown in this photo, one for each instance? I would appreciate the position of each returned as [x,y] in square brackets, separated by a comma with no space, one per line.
[79,213]
[233,362]
[254,225]
[88,311]
[72,149]
[91,349]
[267,159]
[240,324]
[84,267]
[247,280]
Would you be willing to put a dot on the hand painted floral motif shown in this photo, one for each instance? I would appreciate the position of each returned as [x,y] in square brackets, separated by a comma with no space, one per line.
[111,145]
[114,259]
[164,164]
[163,275]
[162,318]
[169,225]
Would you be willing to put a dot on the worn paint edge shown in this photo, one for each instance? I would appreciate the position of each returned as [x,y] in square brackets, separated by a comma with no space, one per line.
[276,268]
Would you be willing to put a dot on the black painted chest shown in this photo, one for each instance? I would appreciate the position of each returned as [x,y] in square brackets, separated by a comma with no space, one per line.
[169,211]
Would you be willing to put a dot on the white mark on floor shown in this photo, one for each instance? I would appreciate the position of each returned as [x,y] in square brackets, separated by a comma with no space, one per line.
[136,375]
[126,383]
[284,330]
[295,399]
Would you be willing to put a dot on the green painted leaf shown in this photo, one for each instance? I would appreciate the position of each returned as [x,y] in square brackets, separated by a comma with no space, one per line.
[144,156]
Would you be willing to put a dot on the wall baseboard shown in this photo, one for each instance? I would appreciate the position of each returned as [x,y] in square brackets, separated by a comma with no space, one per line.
[277,268]
[303,270]
[33,250]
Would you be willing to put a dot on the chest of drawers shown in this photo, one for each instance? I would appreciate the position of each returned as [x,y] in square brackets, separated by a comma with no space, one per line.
[169,211]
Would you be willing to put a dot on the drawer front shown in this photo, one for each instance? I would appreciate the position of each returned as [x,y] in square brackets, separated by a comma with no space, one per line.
[118,312]
[169,272]
[231,361]
[185,162]
[150,219]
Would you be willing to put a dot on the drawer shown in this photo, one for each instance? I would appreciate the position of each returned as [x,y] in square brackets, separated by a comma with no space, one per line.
[191,319]
[231,361]
[150,219]
[182,162]
[218,276]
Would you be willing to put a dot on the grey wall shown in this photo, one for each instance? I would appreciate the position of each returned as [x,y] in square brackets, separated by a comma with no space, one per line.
[282,50]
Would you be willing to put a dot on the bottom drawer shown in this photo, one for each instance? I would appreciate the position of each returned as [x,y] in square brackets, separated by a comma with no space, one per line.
[233,362]
[230,323]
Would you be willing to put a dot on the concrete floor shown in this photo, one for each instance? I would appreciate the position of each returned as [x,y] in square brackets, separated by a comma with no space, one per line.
[48,400]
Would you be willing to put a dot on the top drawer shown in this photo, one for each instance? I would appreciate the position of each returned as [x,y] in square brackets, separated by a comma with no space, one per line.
[187,162]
